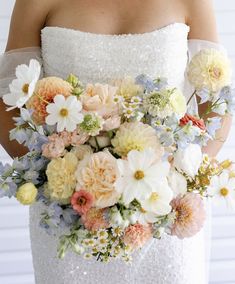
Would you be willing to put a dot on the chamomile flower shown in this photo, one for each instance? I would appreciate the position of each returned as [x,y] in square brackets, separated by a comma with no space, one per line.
[102,234]
[22,88]
[65,112]
[87,256]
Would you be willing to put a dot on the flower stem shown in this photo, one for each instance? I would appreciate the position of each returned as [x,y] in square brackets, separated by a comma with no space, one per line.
[193,94]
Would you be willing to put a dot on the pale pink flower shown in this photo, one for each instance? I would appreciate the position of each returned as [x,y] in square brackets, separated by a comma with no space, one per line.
[94,219]
[137,235]
[78,138]
[99,98]
[111,123]
[55,148]
[97,173]
[82,201]
[190,215]
[66,137]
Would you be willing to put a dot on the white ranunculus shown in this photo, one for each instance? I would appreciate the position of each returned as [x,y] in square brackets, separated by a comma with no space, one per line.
[188,160]
[177,182]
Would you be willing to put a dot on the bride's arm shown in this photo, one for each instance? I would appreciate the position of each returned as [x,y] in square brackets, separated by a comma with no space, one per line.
[27,20]
[201,19]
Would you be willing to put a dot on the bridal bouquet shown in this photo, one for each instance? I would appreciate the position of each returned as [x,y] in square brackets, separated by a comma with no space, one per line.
[119,164]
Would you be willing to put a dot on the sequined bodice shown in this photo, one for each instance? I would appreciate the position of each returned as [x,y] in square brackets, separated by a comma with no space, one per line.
[101,58]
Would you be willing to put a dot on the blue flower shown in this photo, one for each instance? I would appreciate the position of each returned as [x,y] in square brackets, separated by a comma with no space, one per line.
[212,125]
[146,82]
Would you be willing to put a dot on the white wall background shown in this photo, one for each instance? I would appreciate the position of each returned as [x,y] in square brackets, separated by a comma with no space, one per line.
[15,258]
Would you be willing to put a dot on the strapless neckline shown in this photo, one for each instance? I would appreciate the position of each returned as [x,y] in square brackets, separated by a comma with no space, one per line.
[124,35]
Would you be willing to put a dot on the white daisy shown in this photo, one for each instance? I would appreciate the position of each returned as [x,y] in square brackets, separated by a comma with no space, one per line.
[140,174]
[223,186]
[66,112]
[22,88]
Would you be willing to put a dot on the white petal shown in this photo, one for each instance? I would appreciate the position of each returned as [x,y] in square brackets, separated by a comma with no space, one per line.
[21,71]
[59,100]
[52,108]
[51,119]
[61,125]
[223,179]
[10,99]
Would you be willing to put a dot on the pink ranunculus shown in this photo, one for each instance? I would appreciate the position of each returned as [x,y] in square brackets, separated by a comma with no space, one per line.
[137,235]
[190,215]
[66,136]
[82,201]
[54,148]
[99,98]
[94,219]
[111,123]
[78,138]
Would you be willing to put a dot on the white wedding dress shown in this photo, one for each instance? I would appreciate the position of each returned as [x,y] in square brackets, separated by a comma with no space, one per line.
[101,58]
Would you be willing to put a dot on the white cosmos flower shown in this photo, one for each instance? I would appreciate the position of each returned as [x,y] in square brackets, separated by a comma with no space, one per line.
[65,112]
[22,88]
[223,186]
[159,200]
[140,174]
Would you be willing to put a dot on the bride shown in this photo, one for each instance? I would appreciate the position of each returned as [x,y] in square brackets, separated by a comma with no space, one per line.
[101,40]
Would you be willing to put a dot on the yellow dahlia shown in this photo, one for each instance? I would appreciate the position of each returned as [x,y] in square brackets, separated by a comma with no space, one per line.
[61,178]
[209,69]
[45,91]
[136,136]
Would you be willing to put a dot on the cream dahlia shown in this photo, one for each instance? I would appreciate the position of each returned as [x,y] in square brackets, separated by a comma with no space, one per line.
[209,69]
[136,136]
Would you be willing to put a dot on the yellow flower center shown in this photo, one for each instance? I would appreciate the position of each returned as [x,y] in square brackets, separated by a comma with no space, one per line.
[25,88]
[64,112]
[224,191]
[139,175]
[142,210]
[154,197]
[215,72]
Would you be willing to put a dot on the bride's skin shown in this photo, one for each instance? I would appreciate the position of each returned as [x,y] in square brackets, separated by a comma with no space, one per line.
[106,17]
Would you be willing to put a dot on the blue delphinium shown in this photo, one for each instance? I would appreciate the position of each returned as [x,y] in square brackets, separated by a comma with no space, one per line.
[212,125]
[228,95]
[150,84]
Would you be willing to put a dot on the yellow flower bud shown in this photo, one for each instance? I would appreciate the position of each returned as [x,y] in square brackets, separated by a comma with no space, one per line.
[27,193]
[226,164]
